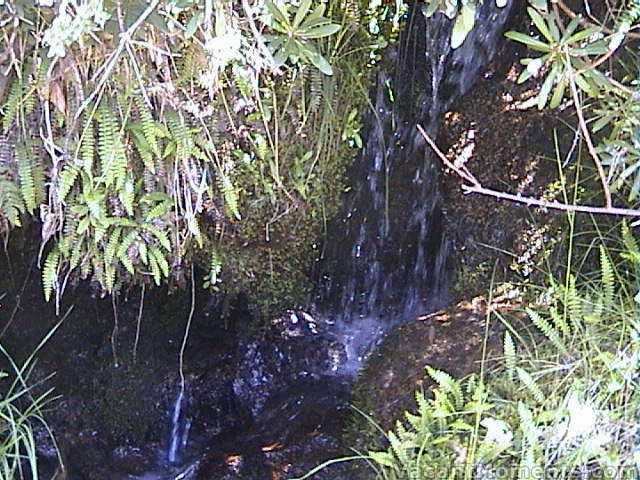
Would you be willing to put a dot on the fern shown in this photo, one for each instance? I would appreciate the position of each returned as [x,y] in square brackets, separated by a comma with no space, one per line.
[574,305]
[608,278]
[50,273]
[110,149]
[127,241]
[160,236]
[147,125]
[510,355]
[230,195]
[531,385]
[160,259]
[11,204]
[87,148]
[547,329]
[448,385]
[315,89]
[127,196]
[66,180]
[112,246]
[11,107]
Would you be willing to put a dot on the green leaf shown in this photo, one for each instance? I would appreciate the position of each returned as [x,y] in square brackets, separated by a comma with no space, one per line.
[320,31]
[464,24]
[193,25]
[545,90]
[317,60]
[302,11]
[528,41]
[277,14]
[558,93]
[540,24]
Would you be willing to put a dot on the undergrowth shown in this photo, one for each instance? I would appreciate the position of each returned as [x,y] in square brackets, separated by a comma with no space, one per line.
[560,402]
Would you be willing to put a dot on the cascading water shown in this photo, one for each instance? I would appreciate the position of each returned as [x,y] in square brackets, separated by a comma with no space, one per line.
[385,261]
[180,428]
[395,266]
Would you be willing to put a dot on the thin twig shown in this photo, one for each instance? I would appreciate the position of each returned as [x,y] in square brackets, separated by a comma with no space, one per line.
[186,331]
[114,333]
[125,38]
[555,205]
[476,187]
[585,23]
[135,343]
[587,138]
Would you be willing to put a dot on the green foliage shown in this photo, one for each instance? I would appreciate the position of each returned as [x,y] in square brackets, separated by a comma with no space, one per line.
[464,13]
[298,31]
[561,403]
[574,59]
[21,411]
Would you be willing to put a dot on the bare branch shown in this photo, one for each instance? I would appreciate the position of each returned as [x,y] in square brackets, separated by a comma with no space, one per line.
[476,187]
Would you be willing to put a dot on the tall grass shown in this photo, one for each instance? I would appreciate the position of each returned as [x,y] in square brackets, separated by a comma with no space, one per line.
[21,409]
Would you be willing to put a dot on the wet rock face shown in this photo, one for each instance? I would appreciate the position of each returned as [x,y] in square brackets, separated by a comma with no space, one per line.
[295,349]
[450,340]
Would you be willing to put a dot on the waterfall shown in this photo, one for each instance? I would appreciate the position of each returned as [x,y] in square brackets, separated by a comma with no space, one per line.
[179,429]
[392,220]
[389,261]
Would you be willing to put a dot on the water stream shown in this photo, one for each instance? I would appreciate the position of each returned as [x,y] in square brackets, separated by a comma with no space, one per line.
[386,259]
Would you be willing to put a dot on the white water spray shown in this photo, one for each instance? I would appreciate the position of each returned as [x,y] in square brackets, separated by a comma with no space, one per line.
[176,438]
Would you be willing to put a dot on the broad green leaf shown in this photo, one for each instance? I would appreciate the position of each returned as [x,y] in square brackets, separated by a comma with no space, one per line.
[529,41]
[317,60]
[193,25]
[558,93]
[464,24]
[545,90]
[301,13]
[320,32]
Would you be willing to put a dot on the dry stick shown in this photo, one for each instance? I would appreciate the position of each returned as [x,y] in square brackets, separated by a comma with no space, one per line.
[135,343]
[586,23]
[587,138]
[125,38]
[186,331]
[476,187]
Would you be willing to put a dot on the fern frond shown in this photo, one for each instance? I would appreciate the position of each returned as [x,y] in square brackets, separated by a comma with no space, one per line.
[147,125]
[11,107]
[230,195]
[88,146]
[160,260]
[66,180]
[575,305]
[127,241]
[608,278]
[155,270]
[113,168]
[531,385]
[632,251]
[127,196]
[448,385]
[11,204]
[112,246]
[510,355]
[161,236]
[547,329]
[50,273]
